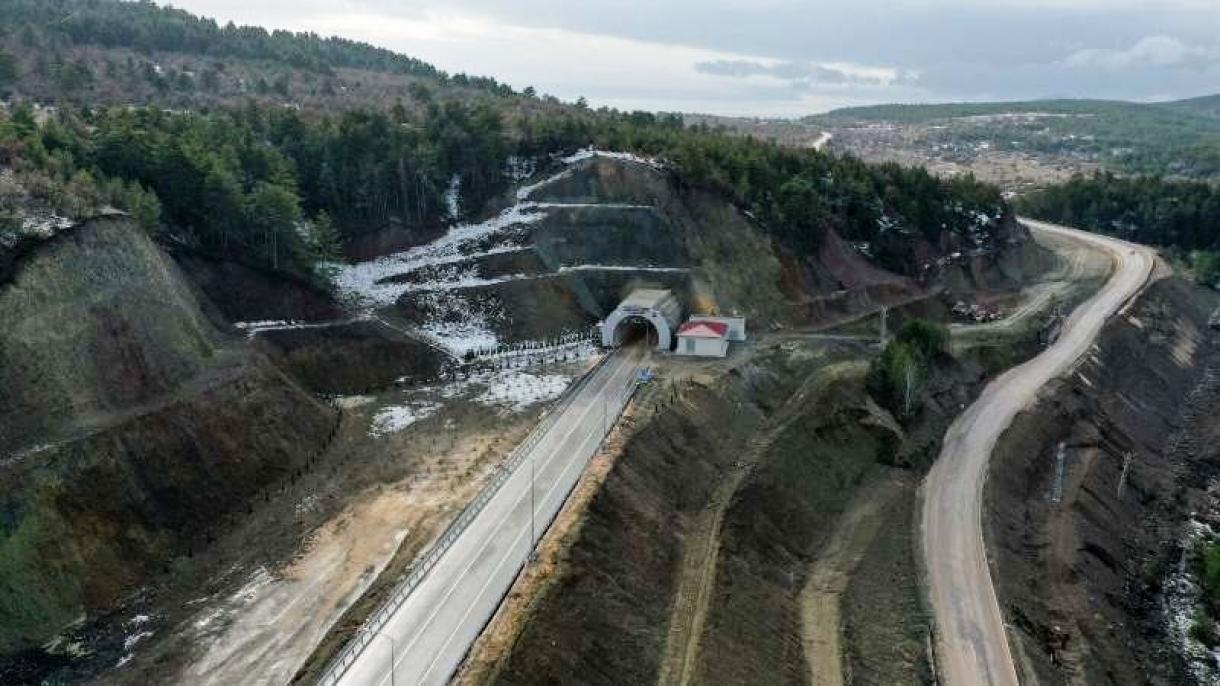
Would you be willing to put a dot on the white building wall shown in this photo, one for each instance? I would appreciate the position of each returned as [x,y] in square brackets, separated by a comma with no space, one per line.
[702,347]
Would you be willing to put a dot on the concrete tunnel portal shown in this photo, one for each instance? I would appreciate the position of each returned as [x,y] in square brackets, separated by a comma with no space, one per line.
[632,329]
[649,314]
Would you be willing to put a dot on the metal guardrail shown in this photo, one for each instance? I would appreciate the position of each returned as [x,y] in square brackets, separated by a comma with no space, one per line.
[424,564]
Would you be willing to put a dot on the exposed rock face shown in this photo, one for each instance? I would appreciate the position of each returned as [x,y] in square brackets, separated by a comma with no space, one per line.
[1081,537]
[129,426]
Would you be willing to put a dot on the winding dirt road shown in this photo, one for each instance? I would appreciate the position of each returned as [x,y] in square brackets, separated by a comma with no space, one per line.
[972,647]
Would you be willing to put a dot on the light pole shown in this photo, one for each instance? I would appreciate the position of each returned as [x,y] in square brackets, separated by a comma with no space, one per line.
[393,649]
[531,555]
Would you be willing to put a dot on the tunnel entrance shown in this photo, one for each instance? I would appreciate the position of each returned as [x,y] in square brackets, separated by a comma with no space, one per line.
[647,315]
[636,330]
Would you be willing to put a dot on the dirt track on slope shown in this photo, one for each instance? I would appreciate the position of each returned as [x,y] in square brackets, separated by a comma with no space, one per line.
[821,618]
[703,545]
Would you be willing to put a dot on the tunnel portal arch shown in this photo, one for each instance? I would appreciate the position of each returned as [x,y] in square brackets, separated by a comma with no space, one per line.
[658,309]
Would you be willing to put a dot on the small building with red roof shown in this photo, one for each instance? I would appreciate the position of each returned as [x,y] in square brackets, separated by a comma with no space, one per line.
[703,338]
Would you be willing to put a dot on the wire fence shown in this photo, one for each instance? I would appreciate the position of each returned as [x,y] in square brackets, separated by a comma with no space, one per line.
[426,562]
[562,348]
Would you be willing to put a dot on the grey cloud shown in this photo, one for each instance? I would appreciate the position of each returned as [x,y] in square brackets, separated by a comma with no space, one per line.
[959,49]
[797,73]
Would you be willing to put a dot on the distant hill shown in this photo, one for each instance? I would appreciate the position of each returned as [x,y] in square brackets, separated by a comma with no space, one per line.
[110,52]
[1208,105]
[1178,138]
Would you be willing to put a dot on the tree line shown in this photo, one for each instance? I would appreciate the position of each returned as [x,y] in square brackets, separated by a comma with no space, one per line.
[1181,215]
[277,187]
[797,195]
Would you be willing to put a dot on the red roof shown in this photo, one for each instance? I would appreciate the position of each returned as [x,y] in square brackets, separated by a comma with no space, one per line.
[704,329]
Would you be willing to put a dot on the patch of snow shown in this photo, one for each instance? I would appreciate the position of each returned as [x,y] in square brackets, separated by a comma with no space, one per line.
[139,620]
[307,504]
[524,192]
[518,168]
[207,620]
[45,226]
[129,644]
[457,321]
[131,641]
[263,324]
[260,578]
[1179,603]
[395,418]
[590,153]
[621,268]
[864,248]
[252,329]
[365,282]
[351,402]
[460,338]
[516,390]
[453,196]
[455,278]
[589,205]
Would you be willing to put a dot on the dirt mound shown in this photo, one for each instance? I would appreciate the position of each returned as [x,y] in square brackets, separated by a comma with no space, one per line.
[1088,494]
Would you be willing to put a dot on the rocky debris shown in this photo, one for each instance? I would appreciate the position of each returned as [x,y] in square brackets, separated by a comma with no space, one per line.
[976,313]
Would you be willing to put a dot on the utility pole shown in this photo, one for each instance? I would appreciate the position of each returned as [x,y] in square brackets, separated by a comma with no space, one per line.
[531,555]
[1122,480]
[1057,489]
[393,649]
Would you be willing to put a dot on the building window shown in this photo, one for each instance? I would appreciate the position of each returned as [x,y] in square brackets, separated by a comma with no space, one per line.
[690,346]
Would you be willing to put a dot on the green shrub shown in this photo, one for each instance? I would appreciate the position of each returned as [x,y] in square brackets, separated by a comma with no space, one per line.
[897,378]
[1203,629]
[931,339]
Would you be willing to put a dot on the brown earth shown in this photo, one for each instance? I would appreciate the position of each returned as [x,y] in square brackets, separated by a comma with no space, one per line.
[605,613]
[353,358]
[139,428]
[246,294]
[1078,566]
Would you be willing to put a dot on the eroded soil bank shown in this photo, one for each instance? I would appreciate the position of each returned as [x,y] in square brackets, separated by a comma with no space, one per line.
[1090,490]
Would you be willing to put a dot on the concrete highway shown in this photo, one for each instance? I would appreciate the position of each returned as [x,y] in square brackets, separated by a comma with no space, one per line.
[972,646]
[431,632]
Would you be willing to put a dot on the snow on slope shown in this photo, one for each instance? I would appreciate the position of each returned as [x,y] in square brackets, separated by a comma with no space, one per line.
[464,325]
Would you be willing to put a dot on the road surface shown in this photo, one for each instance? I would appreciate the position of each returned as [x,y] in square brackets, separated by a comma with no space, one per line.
[433,629]
[972,647]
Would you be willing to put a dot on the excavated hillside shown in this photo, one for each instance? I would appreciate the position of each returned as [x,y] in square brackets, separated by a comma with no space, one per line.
[568,246]
[130,426]
[1090,496]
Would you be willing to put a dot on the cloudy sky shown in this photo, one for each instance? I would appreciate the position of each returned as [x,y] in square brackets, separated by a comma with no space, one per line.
[784,57]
